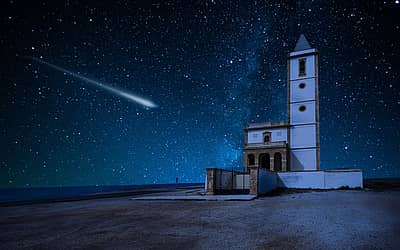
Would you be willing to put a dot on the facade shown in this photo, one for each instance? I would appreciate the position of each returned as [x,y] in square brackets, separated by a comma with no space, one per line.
[291,145]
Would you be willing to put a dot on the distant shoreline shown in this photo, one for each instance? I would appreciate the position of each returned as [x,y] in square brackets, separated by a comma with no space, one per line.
[34,195]
[37,195]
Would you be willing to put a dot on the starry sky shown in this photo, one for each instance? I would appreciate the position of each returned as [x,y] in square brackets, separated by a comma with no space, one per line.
[211,67]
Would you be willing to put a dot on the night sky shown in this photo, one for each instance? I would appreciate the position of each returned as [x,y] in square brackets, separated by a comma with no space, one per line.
[210,66]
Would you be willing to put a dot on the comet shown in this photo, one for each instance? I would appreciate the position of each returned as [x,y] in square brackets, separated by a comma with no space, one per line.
[117,91]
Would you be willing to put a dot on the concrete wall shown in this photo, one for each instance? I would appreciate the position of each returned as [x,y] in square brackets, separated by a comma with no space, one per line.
[298,116]
[335,179]
[210,181]
[277,134]
[224,179]
[303,159]
[307,93]
[310,66]
[267,181]
[221,179]
[263,181]
[303,114]
[303,136]
[312,179]
[321,179]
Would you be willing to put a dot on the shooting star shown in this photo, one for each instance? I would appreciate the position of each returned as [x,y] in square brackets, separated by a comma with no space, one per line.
[120,92]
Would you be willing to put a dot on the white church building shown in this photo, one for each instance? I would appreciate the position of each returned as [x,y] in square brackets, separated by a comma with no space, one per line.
[286,154]
[291,145]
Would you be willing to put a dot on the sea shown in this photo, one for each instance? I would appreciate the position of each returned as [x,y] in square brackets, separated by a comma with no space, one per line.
[46,194]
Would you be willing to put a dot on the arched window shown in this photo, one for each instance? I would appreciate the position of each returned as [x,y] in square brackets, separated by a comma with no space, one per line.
[267,137]
[277,161]
[264,161]
[251,160]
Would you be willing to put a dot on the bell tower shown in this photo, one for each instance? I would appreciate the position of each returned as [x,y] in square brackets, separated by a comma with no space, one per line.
[303,107]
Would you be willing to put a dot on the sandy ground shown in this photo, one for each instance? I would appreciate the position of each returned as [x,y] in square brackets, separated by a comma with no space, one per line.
[311,220]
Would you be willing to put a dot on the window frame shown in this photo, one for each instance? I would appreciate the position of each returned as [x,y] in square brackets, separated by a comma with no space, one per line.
[265,134]
[302,66]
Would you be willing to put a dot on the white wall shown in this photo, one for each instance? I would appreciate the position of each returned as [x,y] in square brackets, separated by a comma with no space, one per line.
[310,67]
[314,179]
[302,117]
[277,135]
[330,179]
[321,179]
[334,179]
[303,159]
[303,136]
[298,94]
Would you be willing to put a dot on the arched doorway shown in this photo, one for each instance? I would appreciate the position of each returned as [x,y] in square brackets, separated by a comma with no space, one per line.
[264,161]
[251,160]
[277,161]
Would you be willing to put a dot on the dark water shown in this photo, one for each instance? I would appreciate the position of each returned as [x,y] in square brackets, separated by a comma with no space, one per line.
[51,193]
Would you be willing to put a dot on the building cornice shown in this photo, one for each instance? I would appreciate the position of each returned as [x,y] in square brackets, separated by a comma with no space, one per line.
[302,53]
[267,125]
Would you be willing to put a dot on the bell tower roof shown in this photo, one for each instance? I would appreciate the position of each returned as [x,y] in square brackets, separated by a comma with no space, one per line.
[302,44]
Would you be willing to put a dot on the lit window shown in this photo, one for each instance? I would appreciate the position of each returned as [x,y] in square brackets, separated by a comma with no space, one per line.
[302,67]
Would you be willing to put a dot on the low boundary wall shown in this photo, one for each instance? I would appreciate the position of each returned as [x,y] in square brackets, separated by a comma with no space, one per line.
[327,179]
[261,181]
[267,181]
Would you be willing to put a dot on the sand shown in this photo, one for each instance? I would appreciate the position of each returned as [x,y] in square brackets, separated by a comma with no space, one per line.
[343,219]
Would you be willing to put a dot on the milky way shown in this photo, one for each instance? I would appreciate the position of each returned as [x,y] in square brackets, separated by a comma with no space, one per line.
[211,66]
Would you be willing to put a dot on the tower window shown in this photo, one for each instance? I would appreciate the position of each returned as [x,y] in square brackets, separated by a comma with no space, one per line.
[302,85]
[302,67]
[302,108]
